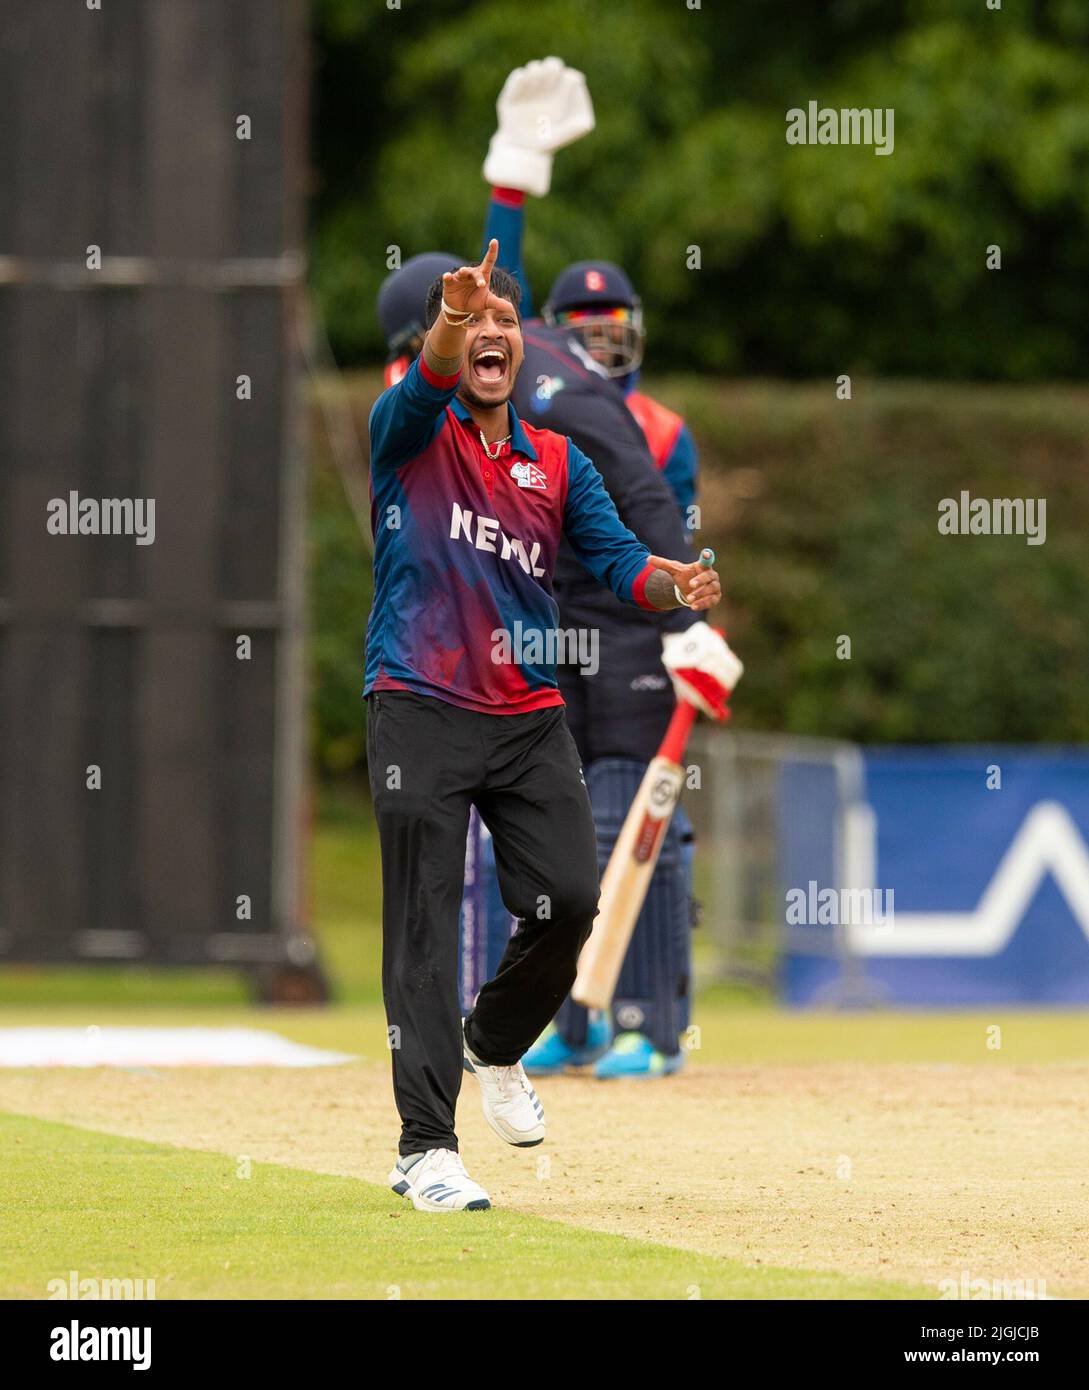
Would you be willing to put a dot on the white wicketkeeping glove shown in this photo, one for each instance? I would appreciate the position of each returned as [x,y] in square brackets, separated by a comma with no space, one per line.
[542,107]
[703,668]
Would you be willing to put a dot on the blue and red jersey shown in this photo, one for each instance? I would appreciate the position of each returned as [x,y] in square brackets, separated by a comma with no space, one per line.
[465,547]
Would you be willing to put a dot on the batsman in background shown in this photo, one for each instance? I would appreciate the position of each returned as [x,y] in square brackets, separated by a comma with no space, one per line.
[619,713]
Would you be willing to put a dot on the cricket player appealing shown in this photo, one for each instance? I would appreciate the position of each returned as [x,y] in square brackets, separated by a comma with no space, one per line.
[561,387]
[468,508]
[619,711]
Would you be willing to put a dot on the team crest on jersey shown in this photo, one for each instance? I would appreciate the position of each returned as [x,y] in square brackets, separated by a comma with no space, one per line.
[527,474]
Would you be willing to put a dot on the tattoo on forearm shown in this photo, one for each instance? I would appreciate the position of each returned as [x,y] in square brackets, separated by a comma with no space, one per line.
[659,590]
[441,366]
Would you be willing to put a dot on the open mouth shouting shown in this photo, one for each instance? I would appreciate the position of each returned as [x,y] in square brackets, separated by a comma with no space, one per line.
[489,368]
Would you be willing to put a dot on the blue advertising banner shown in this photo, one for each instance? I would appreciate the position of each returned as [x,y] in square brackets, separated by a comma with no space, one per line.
[963,881]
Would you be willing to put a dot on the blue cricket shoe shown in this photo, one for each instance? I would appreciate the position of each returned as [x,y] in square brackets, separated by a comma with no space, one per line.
[634,1055]
[550,1054]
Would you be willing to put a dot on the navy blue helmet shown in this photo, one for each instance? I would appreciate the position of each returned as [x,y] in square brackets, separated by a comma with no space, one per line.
[595,299]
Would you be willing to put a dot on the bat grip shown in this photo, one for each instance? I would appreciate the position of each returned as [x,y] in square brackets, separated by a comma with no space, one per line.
[676,737]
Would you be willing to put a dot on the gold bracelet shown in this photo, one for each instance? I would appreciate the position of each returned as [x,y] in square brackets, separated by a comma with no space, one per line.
[461,317]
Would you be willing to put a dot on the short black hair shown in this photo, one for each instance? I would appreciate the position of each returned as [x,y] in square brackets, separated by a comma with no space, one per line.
[503,285]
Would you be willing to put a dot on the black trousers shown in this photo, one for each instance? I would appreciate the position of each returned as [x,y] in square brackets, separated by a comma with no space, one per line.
[429,762]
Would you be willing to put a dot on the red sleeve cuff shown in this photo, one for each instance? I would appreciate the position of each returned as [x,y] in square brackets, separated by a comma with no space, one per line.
[508,197]
[440,383]
[639,588]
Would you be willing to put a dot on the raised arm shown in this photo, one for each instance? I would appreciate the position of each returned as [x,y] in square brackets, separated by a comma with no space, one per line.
[505,224]
[542,107]
[465,293]
[404,417]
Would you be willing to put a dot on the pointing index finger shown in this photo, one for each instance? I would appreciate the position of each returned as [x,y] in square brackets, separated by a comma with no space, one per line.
[490,257]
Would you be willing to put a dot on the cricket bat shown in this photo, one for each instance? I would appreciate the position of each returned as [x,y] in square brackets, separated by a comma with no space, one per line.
[631,866]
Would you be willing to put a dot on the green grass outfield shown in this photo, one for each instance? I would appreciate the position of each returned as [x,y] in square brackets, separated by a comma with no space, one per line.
[74,1199]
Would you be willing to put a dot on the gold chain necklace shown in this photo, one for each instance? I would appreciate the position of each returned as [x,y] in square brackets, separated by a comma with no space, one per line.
[498,445]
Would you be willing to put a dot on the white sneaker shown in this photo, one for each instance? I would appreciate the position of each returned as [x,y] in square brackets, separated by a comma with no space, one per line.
[437,1181]
[510,1103]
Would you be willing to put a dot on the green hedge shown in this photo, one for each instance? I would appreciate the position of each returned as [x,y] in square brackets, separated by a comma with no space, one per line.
[824,514]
